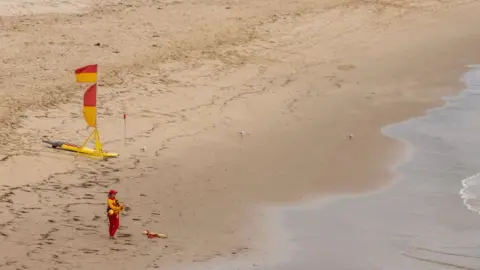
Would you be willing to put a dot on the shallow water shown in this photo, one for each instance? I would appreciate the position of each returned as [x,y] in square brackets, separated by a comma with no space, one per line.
[428,218]
[418,222]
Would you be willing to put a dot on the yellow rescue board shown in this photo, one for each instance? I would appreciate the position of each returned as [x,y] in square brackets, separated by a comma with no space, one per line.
[79,149]
[86,150]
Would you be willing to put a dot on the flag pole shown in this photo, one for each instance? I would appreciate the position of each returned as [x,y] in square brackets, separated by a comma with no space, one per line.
[96,101]
[98,144]
[125,128]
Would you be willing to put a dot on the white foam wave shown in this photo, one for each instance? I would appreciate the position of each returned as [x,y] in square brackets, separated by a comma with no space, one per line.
[470,193]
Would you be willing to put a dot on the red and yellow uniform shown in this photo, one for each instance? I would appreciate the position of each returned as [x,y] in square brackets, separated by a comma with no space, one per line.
[113,211]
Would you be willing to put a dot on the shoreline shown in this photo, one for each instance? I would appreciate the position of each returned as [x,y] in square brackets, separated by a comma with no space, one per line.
[317,204]
[195,157]
[406,225]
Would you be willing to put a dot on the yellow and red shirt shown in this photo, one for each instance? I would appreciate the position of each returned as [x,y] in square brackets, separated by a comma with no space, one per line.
[112,205]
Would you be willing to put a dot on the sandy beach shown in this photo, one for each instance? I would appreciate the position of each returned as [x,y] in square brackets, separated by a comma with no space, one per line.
[231,106]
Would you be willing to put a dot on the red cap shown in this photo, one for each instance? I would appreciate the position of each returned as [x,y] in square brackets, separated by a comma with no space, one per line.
[112,191]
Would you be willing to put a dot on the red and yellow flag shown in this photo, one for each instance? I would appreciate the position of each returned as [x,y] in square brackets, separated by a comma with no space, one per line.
[86,74]
[90,106]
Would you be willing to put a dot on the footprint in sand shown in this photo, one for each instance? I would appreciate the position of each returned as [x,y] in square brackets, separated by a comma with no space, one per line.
[117,249]
[88,196]
[346,67]
[124,235]
[89,251]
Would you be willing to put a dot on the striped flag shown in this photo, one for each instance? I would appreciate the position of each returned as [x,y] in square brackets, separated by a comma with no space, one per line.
[86,74]
[90,106]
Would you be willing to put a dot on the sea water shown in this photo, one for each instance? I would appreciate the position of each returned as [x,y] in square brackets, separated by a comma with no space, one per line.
[427,218]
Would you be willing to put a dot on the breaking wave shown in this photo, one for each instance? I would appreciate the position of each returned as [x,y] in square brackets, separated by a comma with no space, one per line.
[470,192]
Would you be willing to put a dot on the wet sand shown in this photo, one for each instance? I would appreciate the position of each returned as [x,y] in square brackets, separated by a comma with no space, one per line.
[419,221]
[296,77]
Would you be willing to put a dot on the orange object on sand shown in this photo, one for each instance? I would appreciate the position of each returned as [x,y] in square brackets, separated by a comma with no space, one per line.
[150,234]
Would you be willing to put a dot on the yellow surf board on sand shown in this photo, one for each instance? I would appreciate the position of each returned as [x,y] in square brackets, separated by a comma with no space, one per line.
[79,149]
[85,150]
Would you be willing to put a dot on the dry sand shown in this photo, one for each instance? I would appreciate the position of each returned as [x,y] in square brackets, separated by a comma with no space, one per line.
[296,76]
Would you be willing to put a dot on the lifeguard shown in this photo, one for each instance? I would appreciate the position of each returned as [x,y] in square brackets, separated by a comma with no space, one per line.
[113,212]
